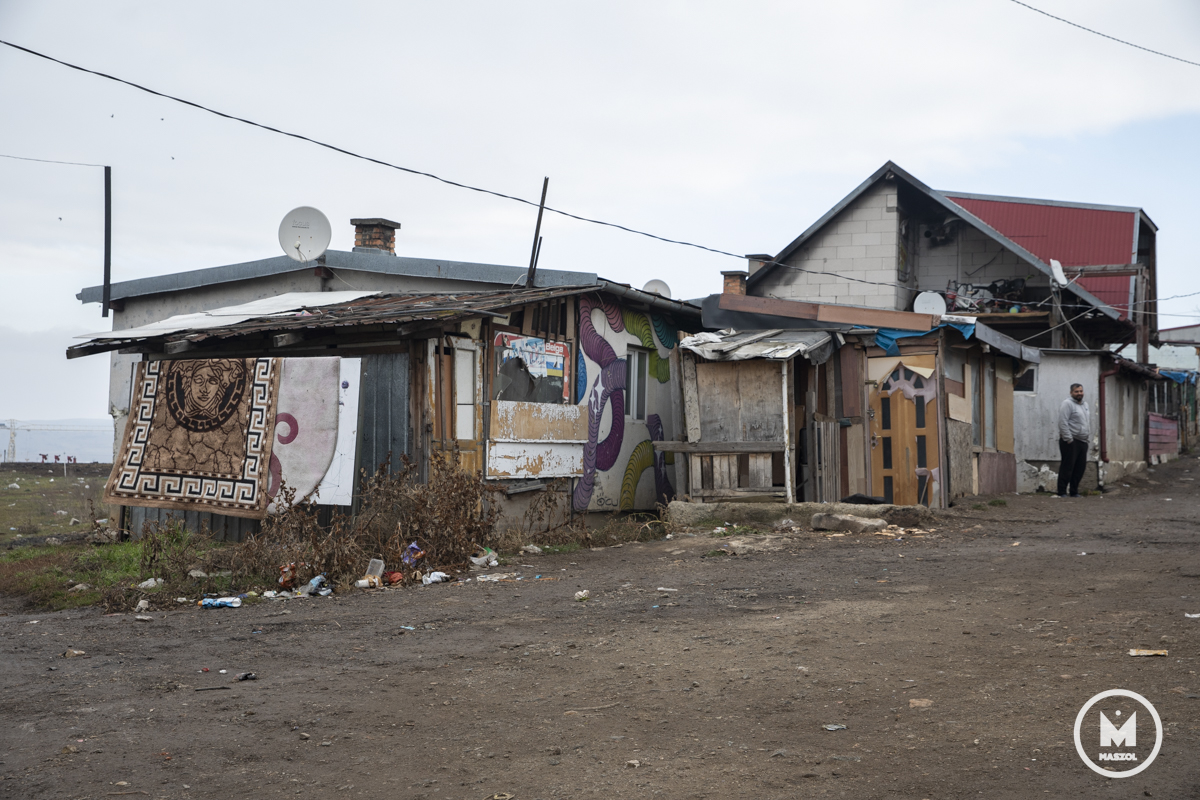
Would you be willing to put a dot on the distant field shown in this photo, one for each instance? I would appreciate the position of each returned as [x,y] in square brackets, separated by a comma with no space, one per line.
[32,509]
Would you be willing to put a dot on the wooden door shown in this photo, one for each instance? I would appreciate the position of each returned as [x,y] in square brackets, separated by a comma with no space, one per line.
[904,437]
[458,416]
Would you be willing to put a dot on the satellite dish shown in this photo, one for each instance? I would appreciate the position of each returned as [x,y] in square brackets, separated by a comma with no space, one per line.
[304,234]
[930,303]
[1059,277]
[658,287]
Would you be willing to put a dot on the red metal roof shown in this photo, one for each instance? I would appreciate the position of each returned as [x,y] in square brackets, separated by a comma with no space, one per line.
[1077,237]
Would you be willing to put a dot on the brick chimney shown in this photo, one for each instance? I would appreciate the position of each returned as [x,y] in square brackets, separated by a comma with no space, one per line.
[735,281]
[375,235]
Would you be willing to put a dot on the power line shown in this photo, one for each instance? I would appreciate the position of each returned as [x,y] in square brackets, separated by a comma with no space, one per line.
[1106,36]
[52,161]
[460,185]
[352,154]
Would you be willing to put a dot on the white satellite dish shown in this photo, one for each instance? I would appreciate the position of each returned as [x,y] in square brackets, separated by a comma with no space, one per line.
[658,287]
[304,234]
[1059,276]
[930,303]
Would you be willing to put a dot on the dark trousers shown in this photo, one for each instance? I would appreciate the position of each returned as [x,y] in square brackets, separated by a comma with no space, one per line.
[1074,462]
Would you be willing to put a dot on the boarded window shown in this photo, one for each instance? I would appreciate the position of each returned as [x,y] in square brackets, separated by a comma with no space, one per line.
[530,369]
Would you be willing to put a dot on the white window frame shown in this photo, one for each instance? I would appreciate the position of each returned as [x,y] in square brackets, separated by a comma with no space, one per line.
[637,380]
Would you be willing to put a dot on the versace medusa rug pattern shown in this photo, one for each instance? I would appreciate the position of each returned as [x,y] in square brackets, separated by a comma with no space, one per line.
[199,437]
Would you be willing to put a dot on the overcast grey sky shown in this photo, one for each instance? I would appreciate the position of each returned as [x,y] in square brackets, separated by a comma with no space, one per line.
[735,125]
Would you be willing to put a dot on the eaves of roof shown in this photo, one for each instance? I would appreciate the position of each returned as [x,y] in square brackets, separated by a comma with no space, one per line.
[950,206]
[379,263]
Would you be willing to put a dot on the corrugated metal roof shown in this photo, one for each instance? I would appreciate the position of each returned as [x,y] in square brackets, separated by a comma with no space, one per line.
[1076,236]
[774,345]
[311,312]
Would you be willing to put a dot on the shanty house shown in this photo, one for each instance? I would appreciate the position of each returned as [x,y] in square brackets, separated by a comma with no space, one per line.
[1046,274]
[571,378]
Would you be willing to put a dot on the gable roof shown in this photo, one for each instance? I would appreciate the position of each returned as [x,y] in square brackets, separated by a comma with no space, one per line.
[892,169]
[381,263]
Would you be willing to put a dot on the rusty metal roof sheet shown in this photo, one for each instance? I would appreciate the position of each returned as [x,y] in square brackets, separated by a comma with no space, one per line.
[310,312]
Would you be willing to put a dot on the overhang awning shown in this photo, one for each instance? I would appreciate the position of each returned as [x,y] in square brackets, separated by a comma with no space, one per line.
[773,345]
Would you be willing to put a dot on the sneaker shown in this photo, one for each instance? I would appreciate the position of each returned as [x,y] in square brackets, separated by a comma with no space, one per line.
[1076,495]
[1057,496]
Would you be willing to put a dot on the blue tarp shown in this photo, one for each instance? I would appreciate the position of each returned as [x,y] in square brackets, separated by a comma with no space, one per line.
[1178,377]
[886,337]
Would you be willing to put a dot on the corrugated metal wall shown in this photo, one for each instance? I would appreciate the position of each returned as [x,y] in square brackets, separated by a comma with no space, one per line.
[223,528]
[384,410]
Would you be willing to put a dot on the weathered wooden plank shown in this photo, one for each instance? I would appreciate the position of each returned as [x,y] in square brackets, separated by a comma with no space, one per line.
[691,398]
[706,472]
[719,447]
[724,472]
[384,401]
[760,471]
[870,317]
[720,403]
[761,402]
[705,494]
[514,421]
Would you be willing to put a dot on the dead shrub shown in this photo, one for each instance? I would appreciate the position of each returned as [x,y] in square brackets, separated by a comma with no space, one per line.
[449,516]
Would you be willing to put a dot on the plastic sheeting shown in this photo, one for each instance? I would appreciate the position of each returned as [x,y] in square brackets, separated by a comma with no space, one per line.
[887,338]
[775,345]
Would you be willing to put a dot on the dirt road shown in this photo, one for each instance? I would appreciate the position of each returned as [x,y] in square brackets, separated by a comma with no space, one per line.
[720,689]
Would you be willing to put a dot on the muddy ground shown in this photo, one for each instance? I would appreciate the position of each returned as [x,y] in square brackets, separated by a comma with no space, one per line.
[720,689]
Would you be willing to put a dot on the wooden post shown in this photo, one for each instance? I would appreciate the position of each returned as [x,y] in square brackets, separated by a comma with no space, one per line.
[787,436]
[106,300]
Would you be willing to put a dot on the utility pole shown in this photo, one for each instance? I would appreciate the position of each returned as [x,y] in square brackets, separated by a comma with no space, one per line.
[537,237]
[107,299]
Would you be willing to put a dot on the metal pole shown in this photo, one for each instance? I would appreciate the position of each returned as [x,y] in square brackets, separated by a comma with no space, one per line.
[537,236]
[107,299]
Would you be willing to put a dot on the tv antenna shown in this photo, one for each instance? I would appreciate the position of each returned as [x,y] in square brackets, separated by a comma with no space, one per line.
[304,234]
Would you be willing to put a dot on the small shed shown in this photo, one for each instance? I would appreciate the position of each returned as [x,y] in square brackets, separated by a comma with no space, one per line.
[742,421]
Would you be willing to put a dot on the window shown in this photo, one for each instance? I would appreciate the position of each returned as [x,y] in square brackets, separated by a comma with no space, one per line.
[1026,381]
[464,394]
[530,369]
[637,369]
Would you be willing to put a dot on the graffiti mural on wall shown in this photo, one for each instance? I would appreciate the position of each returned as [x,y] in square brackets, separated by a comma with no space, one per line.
[642,458]
[608,391]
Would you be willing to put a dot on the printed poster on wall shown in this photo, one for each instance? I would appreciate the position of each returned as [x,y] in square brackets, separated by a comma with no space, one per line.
[530,369]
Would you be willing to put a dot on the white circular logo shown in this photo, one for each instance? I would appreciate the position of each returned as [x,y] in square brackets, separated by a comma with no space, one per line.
[1117,740]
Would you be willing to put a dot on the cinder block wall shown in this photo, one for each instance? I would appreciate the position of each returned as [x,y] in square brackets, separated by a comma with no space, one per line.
[971,258]
[860,242]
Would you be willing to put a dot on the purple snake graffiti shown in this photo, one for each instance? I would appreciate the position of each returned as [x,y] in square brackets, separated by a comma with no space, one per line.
[609,387]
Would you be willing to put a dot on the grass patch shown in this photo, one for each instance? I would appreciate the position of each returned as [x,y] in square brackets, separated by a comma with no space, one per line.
[43,575]
[32,508]
[978,506]
[997,502]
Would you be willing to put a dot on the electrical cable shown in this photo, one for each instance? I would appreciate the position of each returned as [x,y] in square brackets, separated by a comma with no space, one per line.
[1106,36]
[370,159]
[52,161]
[460,185]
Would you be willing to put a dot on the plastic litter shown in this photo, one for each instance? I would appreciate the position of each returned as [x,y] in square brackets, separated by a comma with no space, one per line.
[532,549]
[665,589]
[247,676]
[220,602]
[1191,616]
[1136,652]
[369,582]
[287,576]
[487,558]
[496,576]
[143,605]
[412,553]
[834,727]
[435,577]
[375,568]
[73,654]
[152,583]
[391,578]
[582,595]
[144,618]
[316,586]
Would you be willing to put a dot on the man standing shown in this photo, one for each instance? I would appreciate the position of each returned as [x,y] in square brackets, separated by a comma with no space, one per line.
[1074,433]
